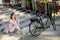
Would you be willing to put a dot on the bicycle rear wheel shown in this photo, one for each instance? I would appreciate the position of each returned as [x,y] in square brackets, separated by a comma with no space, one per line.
[34,29]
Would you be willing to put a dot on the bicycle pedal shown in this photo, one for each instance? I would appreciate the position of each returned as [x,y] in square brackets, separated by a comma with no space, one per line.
[39,27]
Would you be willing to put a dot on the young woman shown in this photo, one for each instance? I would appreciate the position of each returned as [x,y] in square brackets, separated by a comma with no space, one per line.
[13,25]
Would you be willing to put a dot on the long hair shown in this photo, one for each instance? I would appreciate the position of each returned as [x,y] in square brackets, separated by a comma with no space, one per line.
[12,15]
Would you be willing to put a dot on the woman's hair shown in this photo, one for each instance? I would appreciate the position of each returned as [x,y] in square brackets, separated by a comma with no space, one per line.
[12,15]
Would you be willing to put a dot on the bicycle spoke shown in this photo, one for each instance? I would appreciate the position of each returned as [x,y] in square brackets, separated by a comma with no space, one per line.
[35,30]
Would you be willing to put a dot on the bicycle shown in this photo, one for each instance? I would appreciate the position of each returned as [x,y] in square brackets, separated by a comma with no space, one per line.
[37,25]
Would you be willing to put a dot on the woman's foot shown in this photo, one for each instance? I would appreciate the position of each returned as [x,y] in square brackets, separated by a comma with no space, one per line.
[23,33]
[20,32]
[5,33]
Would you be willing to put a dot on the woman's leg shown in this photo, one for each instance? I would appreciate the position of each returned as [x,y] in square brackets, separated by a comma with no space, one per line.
[12,29]
[6,31]
[18,29]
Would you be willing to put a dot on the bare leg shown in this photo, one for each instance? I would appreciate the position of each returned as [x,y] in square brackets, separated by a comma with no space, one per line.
[6,31]
[19,30]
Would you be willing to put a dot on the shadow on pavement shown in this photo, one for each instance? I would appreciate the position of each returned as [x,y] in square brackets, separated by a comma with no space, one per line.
[30,37]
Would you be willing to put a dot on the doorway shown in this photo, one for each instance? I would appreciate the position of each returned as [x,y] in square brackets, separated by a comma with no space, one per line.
[29,5]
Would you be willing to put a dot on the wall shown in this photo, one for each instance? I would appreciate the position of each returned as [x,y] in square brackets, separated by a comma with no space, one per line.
[1,2]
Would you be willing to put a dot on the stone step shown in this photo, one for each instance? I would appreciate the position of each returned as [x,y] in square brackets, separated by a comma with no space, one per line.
[3,26]
[1,6]
[25,29]
[25,23]
[3,22]
[11,36]
[6,12]
[57,22]
[4,9]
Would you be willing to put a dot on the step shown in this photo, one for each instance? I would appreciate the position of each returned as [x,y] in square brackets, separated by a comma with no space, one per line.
[57,22]
[4,12]
[25,23]
[13,36]
[3,26]
[25,29]
[3,9]
[1,6]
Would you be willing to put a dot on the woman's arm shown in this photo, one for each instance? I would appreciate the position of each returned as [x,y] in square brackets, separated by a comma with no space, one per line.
[17,20]
[11,22]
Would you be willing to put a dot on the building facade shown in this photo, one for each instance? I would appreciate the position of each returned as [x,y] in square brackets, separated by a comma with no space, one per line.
[28,4]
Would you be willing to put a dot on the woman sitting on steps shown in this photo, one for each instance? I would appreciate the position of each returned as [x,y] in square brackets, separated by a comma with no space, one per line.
[13,25]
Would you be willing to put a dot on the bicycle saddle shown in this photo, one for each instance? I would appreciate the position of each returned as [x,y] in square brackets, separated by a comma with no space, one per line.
[34,19]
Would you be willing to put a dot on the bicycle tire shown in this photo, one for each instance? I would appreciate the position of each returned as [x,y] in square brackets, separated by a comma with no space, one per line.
[34,34]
